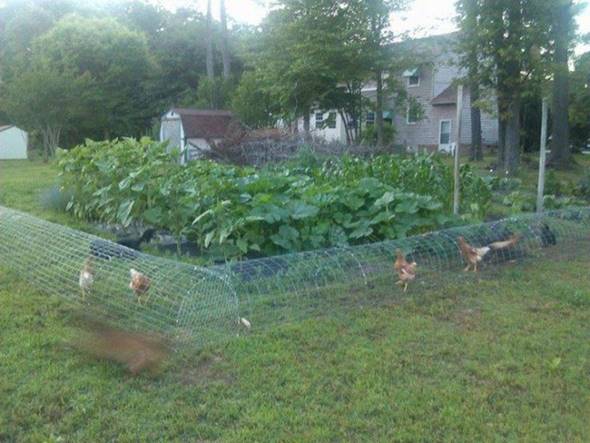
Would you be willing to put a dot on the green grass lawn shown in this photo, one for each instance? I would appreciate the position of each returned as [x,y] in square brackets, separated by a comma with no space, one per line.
[502,356]
[23,184]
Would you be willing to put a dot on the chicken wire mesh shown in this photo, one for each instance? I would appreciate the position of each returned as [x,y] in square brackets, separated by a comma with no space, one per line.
[205,305]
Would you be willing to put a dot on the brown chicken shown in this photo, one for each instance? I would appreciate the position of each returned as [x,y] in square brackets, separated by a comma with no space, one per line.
[505,244]
[475,255]
[137,351]
[140,284]
[405,271]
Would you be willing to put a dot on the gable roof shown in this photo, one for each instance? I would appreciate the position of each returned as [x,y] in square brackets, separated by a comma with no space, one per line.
[201,123]
[447,97]
[5,127]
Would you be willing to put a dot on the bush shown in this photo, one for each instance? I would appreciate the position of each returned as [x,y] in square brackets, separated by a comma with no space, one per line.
[230,211]
[369,136]
[583,187]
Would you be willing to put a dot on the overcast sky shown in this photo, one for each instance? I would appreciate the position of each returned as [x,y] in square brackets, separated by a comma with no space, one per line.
[425,17]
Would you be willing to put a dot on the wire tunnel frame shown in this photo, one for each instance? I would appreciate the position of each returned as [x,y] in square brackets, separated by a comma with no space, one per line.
[204,305]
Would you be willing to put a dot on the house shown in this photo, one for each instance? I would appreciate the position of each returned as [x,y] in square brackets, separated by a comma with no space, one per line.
[194,131]
[431,126]
[13,143]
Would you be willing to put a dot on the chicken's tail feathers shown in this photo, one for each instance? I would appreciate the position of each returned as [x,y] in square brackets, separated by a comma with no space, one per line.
[482,251]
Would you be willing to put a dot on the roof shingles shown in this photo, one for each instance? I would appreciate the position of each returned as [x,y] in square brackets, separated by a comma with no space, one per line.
[204,123]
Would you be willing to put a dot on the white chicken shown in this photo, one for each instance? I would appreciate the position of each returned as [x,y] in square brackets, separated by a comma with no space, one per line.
[86,279]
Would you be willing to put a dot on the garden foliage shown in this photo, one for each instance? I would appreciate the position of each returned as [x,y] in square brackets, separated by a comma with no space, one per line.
[232,211]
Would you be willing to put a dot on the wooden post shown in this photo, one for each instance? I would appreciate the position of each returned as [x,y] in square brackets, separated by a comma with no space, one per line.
[542,158]
[456,193]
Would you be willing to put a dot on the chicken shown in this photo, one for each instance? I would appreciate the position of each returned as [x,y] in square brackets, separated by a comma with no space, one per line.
[246,323]
[86,279]
[140,284]
[138,351]
[471,254]
[504,244]
[405,271]
[475,255]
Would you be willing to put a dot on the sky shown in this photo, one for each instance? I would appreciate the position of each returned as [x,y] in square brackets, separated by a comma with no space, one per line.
[424,17]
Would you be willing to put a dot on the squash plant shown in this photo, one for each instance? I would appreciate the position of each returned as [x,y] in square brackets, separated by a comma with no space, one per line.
[232,211]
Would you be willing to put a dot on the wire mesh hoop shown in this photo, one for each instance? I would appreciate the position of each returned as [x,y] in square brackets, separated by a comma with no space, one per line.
[205,305]
[182,302]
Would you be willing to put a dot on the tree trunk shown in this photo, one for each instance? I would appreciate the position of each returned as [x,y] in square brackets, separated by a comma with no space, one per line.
[512,137]
[209,56]
[51,137]
[501,154]
[476,151]
[306,125]
[224,40]
[45,145]
[347,128]
[561,156]
[379,108]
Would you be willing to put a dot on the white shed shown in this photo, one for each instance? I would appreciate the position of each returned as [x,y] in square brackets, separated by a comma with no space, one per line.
[13,143]
[194,131]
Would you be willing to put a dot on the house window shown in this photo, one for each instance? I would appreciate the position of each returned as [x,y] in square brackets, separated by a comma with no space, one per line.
[370,118]
[332,120]
[319,119]
[413,80]
[412,114]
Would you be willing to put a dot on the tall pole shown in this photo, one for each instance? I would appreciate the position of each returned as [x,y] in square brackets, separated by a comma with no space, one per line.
[542,158]
[456,192]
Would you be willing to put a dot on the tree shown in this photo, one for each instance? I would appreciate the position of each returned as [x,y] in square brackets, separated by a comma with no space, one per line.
[470,59]
[224,42]
[507,36]
[579,112]
[319,53]
[252,103]
[209,39]
[41,98]
[118,62]
[562,36]
[297,70]
[373,27]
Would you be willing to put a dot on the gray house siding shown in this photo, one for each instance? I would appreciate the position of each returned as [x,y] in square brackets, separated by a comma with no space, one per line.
[425,133]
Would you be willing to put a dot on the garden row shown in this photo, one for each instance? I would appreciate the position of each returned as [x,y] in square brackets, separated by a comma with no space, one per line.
[231,211]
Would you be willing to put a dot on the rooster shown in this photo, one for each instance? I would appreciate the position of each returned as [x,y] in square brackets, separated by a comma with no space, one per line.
[405,271]
[140,284]
[86,279]
[475,255]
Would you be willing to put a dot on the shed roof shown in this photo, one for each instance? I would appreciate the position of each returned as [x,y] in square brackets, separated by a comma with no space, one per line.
[447,97]
[201,123]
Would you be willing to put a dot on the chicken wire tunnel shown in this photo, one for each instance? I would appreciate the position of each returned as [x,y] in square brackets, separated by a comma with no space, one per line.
[204,305]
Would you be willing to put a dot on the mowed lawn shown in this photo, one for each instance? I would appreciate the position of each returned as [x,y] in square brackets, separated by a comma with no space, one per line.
[503,356]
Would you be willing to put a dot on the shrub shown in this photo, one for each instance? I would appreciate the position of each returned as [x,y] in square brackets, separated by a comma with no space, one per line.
[369,136]
[583,187]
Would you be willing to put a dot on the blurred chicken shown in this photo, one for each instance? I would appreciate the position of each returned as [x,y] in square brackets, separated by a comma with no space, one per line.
[475,255]
[505,244]
[140,284]
[138,351]
[86,276]
[472,255]
[405,271]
